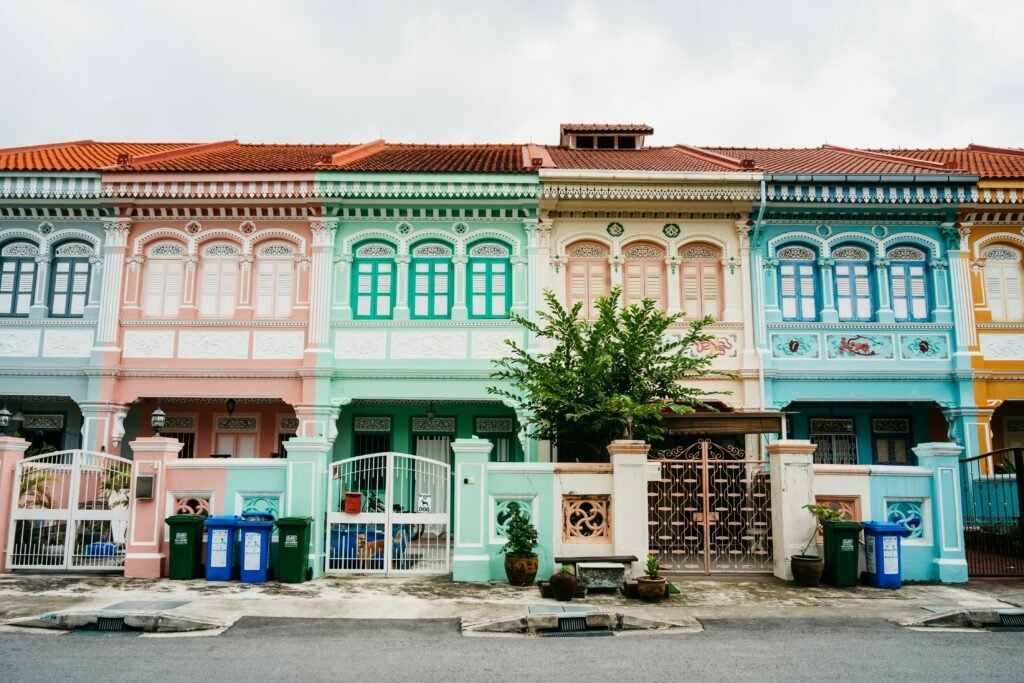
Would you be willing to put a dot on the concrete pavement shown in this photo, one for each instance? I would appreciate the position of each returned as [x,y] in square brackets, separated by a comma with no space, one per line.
[377,597]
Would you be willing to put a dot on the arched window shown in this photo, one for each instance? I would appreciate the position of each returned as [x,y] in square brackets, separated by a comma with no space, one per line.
[17,278]
[373,280]
[275,277]
[643,274]
[700,268]
[854,300]
[1003,282]
[164,275]
[908,284]
[69,283]
[798,283]
[490,280]
[588,275]
[431,282]
[218,288]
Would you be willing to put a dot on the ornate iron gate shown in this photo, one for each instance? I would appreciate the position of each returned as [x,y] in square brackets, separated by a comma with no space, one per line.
[993,501]
[69,511]
[710,511]
[388,513]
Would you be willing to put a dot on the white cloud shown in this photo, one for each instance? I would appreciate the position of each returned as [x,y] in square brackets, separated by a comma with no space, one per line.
[870,73]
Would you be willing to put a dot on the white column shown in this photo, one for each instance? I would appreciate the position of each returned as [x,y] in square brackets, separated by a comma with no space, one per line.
[459,308]
[343,303]
[402,287]
[538,254]
[39,308]
[629,500]
[320,285]
[672,282]
[115,242]
[519,284]
[960,284]
[792,474]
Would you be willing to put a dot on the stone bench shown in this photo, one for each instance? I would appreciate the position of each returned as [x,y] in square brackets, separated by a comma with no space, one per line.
[600,573]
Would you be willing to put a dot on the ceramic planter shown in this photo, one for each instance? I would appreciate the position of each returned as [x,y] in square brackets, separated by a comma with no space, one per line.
[521,570]
[807,569]
[651,590]
[563,586]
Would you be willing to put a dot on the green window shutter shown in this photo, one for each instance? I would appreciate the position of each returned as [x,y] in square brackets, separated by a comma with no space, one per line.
[17,283]
[431,288]
[69,289]
[373,285]
[489,287]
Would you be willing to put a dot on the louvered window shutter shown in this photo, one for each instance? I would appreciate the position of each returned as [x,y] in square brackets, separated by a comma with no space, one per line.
[1012,288]
[156,274]
[654,285]
[172,288]
[285,285]
[898,287]
[577,284]
[209,288]
[710,291]
[598,282]
[691,277]
[228,288]
[265,272]
[787,291]
[633,281]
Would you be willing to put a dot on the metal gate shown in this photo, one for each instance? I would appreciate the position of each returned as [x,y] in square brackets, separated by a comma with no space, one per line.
[710,511]
[993,501]
[388,513]
[69,511]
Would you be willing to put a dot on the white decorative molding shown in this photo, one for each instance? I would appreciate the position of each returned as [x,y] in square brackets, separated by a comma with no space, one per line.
[67,343]
[361,345]
[491,344]
[203,344]
[23,343]
[1002,346]
[149,344]
[428,345]
[277,344]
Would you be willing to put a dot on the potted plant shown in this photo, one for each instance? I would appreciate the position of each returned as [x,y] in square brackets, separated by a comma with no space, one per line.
[651,587]
[520,558]
[563,584]
[807,568]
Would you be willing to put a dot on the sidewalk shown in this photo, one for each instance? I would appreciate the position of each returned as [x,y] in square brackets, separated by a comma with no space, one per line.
[376,597]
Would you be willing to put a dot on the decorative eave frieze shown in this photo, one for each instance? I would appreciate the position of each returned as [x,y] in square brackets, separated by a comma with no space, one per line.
[650,192]
[872,193]
[510,188]
[994,218]
[50,186]
[208,186]
[1000,195]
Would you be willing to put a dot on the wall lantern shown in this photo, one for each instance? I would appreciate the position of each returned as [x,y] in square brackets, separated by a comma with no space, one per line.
[430,411]
[230,405]
[158,419]
[5,420]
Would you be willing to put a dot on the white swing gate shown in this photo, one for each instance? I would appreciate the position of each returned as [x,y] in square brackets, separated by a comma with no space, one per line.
[398,521]
[69,511]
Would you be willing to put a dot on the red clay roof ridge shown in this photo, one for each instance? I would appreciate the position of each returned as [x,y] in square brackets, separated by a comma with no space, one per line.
[125,160]
[1009,151]
[51,145]
[731,163]
[883,156]
[347,156]
[536,157]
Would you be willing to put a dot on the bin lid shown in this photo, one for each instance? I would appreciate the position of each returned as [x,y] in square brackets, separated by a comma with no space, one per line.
[258,516]
[185,519]
[843,524]
[222,520]
[295,521]
[886,528]
[256,524]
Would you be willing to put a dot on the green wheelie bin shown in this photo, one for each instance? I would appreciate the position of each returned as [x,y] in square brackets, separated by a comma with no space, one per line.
[842,553]
[186,549]
[293,549]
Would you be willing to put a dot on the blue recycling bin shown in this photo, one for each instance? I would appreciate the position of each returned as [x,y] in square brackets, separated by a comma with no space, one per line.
[220,547]
[255,530]
[882,553]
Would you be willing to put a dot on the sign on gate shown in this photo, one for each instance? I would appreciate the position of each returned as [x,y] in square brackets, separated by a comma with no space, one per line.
[402,523]
[69,511]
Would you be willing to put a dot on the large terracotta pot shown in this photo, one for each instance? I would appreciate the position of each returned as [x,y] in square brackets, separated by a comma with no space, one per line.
[521,570]
[651,590]
[563,586]
[807,569]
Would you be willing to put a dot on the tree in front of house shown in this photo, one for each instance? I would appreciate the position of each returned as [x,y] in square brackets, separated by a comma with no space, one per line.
[610,378]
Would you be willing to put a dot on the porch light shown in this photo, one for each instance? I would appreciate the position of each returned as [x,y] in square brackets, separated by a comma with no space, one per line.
[158,419]
[430,411]
[5,420]
[230,405]
[18,415]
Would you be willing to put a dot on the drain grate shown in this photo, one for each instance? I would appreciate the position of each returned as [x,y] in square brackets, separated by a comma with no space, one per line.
[572,624]
[577,634]
[110,624]
[1011,619]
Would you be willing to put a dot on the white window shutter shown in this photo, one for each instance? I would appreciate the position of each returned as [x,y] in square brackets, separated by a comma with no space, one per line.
[577,283]
[283,295]
[655,285]
[994,291]
[710,291]
[265,288]
[209,288]
[1012,288]
[228,288]
[156,273]
[174,278]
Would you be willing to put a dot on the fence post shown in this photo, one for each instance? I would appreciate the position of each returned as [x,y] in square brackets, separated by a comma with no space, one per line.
[472,561]
[145,552]
[943,459]
[12,449]
[629,512]
[792,472]
[308,459]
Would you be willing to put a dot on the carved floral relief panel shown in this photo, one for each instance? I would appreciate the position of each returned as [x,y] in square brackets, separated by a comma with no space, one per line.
[804,346]
[924,347]
[852,346]
[586,519]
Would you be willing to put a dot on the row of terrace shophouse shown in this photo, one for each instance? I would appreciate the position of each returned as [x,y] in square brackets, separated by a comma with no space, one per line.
[291,308]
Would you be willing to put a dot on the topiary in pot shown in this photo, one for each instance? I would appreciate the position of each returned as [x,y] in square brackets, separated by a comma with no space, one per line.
[520,558]
[563,584]
[807,569]
[652,586]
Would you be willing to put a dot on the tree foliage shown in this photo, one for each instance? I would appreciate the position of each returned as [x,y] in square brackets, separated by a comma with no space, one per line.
[606,379]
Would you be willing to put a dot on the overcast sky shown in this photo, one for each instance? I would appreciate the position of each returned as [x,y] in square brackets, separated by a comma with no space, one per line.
[780,73]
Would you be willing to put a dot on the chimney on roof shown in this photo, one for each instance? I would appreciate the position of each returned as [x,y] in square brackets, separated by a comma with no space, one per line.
[124,159]
[747,163]
[604,135]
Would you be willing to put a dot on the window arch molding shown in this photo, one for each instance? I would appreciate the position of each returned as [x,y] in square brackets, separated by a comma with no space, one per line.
[704,238]
[799,280]
[930,246]
[418,237]
[489,278]
[853,239]
[54,239]
[139,246]
[202,240]
[812,242]
[431,277]
[1016,240]
[571,240]
[513,242]
[22,235]
[349,244]
[254,241]
[18,275]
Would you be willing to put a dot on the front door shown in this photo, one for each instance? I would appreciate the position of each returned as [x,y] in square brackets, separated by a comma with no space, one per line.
[710,510]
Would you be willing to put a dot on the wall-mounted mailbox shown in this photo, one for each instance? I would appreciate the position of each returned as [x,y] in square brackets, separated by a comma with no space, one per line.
[144,487]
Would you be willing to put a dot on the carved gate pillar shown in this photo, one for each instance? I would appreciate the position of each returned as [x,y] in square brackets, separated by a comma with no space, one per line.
[308,460]
[792,468]
[12,449]
[471,561]
[146,551]
[629,500]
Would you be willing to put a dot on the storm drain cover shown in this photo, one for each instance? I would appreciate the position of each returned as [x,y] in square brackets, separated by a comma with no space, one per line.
[141,605]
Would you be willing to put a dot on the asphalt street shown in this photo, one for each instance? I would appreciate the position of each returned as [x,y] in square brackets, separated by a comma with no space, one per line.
[262,649]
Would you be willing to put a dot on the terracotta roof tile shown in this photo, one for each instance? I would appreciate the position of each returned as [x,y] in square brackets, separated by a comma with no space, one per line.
[83,155]
[646,159]
[403,158]
[606,128]
[824,160]
[988,162]
[243,158]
